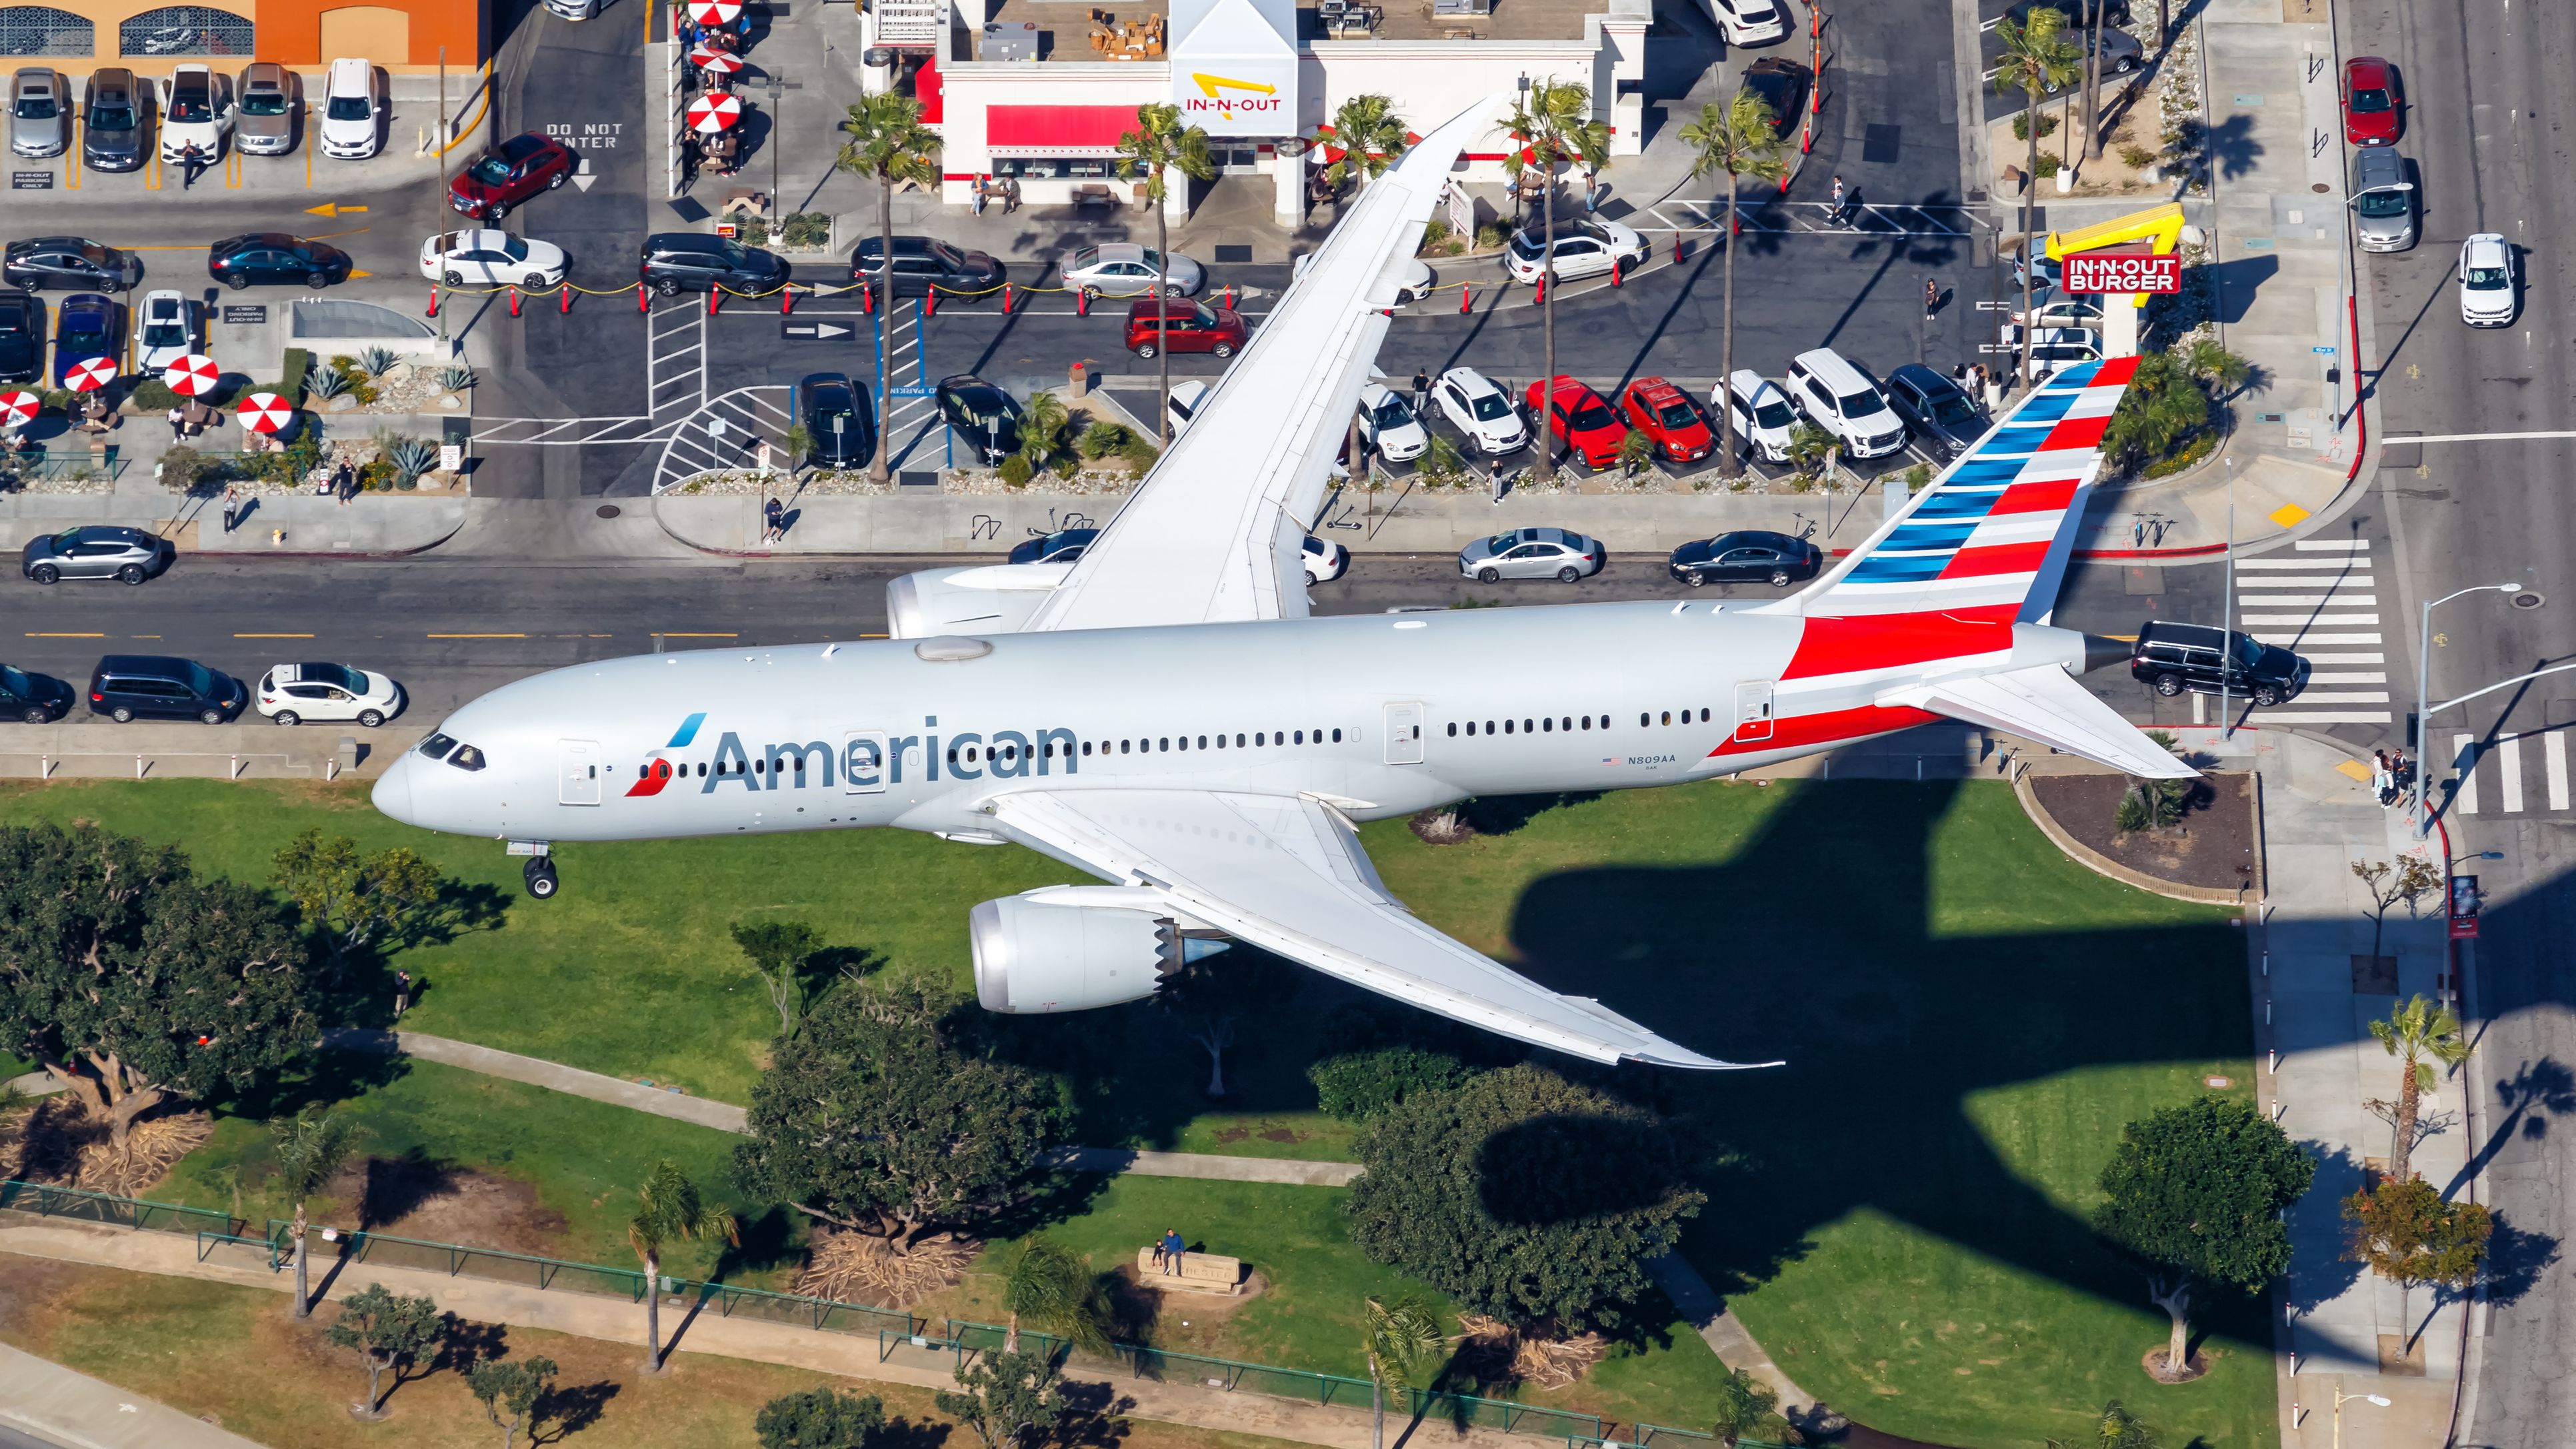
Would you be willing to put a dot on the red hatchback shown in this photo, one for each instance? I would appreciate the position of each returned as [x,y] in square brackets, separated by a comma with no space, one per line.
[1180,325]
[1581,420]
[2372,106]
[1666,414]
[509,174]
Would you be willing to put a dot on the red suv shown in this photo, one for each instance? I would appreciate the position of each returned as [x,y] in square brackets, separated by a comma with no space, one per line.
[2371,104]
[509,174]
[1182,325]
[1666,414]
[1582,420]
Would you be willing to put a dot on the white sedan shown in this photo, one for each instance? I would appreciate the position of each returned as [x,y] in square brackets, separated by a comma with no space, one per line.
[1186,400]
[1388,425]
[294,693]
[1124,269]
[1484,412]
[168,330]
[492,259]
[1325,562]
[2486,281]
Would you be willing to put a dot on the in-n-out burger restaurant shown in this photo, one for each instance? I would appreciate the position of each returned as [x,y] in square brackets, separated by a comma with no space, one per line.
[1040,90]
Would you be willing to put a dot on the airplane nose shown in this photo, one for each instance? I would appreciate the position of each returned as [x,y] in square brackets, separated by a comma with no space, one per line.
[392,794]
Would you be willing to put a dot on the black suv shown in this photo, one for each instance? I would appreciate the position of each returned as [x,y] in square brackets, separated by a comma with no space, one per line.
[33,698]
[22,337]
[1937,409]
[112,123]
[2196,657]
[692,261]
[141,686]
[921,263]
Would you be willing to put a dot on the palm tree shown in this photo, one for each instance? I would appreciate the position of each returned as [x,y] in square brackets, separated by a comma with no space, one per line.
[2216,367]
[1042,426]
[1372,137]
[2036,59]
[2412,1033]
[310,1148]
[1054,1288]
[668,1210]
[1400,1342]
[1159,145]
[889,142]
[1554,122]
[1739,140]
[1742,1402]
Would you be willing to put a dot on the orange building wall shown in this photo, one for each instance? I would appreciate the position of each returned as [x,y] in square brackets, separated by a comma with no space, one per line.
[290,32]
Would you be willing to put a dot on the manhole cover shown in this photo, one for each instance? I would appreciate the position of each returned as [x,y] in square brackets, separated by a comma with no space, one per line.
[2320,188]
[2529,601]
[608,510]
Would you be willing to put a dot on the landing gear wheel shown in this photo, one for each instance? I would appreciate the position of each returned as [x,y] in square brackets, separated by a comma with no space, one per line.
[2169,685]
[540,874]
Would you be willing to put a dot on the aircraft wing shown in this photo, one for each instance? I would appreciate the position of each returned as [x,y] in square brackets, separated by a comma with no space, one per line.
[1287,874]
[2045,703]
[1214,533]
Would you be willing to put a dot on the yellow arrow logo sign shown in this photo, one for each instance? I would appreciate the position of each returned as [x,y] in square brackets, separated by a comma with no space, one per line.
[1209,85]
[332,209]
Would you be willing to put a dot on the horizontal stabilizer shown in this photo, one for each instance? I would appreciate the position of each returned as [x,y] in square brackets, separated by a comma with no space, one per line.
[2044,703]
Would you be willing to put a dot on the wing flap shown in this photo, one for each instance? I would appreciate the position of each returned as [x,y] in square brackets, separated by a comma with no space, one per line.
[2045,703]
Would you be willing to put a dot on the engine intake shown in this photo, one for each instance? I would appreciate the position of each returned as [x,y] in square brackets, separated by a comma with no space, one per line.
[1036,956]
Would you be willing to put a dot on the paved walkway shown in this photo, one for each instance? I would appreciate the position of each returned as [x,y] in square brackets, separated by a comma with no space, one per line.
[58,1406]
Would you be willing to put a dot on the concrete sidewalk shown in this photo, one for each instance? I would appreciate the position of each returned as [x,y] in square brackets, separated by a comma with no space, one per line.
[60,1406]
[372,525]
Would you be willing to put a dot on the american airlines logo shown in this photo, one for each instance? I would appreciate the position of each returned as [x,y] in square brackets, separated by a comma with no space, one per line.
[863,761]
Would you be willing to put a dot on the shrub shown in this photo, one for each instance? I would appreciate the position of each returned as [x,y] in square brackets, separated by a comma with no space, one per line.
[2192,455]
[1015,470]
[751,230]
[2137,158]
[456,379]
[376,476]
[2021,126]
[1064,465]
[1493,234]
[292,374]
[375,361]
[2048,166]
[1356,1086]
[1434,233]
[1140,454]
[181,467]
[1102,439]
[356,380]
[329,382]
[410,458]
[1917,476]
[807,229]
[154,396]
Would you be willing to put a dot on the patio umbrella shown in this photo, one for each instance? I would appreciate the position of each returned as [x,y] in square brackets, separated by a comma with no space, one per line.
[17,409]
[191,376]
[90,374]
[715,12]
[715,111]
[266,412]
[720,62]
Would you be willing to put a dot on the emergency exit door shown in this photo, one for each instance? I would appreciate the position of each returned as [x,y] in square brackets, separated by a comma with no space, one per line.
[580,759]
[1404,733]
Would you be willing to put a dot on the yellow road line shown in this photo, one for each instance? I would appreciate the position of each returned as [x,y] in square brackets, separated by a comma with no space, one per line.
[72,155]
[232,168]
[142,636]
[690,636]
[272,636]
[33,635]
[478,636]
[152,168]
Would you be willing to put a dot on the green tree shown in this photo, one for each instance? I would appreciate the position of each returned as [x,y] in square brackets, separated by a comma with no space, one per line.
[2418,1034]
[1744,1404]
[2120,1429]
[1555,126]
[310,1148]
[1735,141]
[891,1111]
[1372,137]
[2037,58]
[1636,453]
[1042,428]
[819,1419]
[1523,1196]
[2406,1233]
[798,444]
[888,142]
[136,982]
[348,897]
[669,1209]
[1008,1398]
[1158,146]
[2196,1195]
[783,953]
[515,1388]
[386,1331]
[1811,449]
[1210,996]
[1053,1287]
[2214,367]
[2162,407]
[1357,1085]
[1399,1340]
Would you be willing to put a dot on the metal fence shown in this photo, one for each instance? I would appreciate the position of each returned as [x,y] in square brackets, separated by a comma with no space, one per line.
[122,1212]
[1461,1410]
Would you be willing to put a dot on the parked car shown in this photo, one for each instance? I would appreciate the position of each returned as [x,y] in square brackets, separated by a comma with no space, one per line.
[167,331]
[574,9]
[2383,200]
[128,687]
[1763,420]
[694,261]
[1180,325]
[493,258]
[985,417]
[1781,85]
[2486,280]
[921,263]
[353,110]
[2051,348]
[2373,107]
[1324,562]
[112,121]
[2121,54]
[1840,399]
[275,259]
[1120,269]
[127,555]
[1475,406]
[69,261]
[1388,426]
[1578,419]
[22,337]
[1184,404]
[267,98]
[33,698]
[86,325]
[40,112]
[837,416]
[2175,658]
[1414,277]
[1666,414]
[2075,13]
[1585,247]
[194,112]
[1062,546]
[509,174]
[1750,22]
[1533,553]
[293,693]
[1746,556]
[2066,312]
[1938,410]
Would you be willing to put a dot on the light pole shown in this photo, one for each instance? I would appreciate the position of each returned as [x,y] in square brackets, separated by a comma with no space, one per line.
[777,95]
[2424,696]
[2341,1398]
[2227,612]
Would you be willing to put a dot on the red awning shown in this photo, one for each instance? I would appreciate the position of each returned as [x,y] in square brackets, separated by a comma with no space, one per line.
[1056,130]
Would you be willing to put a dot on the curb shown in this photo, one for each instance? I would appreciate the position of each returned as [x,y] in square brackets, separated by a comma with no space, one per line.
[2100,864]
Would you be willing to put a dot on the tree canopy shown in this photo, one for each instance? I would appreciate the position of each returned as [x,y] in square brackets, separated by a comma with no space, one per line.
[1008,1397]
[2196,1194]
[349,897]
[819,1419]
[386,1330]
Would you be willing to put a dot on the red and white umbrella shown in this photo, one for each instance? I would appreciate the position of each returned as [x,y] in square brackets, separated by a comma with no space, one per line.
[266,412]
[192,375]
[17,409]
[715,111]
[708,58]
[715,12]
[90,374]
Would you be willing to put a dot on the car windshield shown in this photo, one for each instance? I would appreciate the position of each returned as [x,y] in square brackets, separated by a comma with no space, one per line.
[111,118]
[1503,542]
[2486,279]
[835,415]
[354,108]
[1391,413]
[984,406]
[36,108]
[515,249]
[2380,203]
[2248,652]
[1085,259]
[1525,246]
[81,339]
[1772,413]
[64,540]
[1489,406]
[339,674]
[1952,408]
[491,170]
[165,334]
[1676,415]
[1861,405]
[2370,102]
[264,103]
[16,682]
[1591,415]
[200,678]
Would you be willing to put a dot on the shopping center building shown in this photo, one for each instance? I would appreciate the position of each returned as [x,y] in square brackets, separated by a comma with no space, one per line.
[405,37]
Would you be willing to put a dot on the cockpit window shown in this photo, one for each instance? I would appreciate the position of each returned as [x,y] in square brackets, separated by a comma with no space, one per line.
[466,758]
[437,746]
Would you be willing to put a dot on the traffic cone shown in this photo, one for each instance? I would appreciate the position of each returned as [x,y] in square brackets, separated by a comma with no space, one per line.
[643,303]
[1618,275]
[1007,296]
[433,300]
[786,300]
[867,300]
[514,301]
[1466,298]
[567,298]
[1081,303]
[1538,294]
[1677,247]
[930,302]
[715,296]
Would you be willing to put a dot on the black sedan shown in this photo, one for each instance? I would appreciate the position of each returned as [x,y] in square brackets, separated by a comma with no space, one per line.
[274,258]
[1747,556]
[1062,546]
[837,417]
[22,338]
[33,698]
[983,416]
[69,261]
[127,555]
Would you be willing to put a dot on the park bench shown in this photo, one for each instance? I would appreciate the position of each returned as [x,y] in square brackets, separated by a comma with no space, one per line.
[1200,1273]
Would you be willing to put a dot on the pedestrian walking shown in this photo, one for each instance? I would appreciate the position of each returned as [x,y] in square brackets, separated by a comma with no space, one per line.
[1173,1247]
[178,421]
[402,993]
[232,506]
[1494,477]
[1421,391]
[344,482]
[1838,201]
[774,514]
[1931,298]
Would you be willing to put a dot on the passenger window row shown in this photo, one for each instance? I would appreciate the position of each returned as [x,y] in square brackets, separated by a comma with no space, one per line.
[1567,723]
[976,754]
[1260,739]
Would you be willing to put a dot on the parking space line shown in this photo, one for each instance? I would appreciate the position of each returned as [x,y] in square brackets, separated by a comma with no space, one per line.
[232,168]
[476,636]
[152,168]
[272,636]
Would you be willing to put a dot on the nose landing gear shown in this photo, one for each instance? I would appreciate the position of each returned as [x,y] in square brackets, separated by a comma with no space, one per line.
[539,873]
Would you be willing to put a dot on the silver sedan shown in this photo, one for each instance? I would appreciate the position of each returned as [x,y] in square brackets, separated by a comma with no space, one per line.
[40,113]
[1125,269]
[1533,553]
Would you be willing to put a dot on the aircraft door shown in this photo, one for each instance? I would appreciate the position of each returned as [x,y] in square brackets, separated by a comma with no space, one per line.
[1753,710]
[1404,733]
[863,762]
[580,771]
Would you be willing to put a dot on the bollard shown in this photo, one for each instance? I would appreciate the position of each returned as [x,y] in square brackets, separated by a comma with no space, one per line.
[1081,302]
[236,774]
[930,301]
[514,301]
[867,299]
[138,767]
[642,299]
[567,298]
[1466,298]
[433,301]
[715,296]
[1618,274]
[786,300]
[1538,294]
[1229,296]
[1677,246]
[1006,299]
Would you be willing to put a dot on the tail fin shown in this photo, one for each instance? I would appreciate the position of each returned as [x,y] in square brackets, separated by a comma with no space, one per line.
[1989,540]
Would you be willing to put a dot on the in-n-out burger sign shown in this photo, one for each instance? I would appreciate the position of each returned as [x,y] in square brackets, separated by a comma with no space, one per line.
[2122,270]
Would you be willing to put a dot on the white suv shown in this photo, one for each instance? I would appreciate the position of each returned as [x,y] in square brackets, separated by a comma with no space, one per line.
[1585,247]
[1763,421]
[1750,22]
[352,111]
[1837,398]
[194,112]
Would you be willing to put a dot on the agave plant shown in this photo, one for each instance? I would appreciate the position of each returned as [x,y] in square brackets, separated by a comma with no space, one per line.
[327,382]
[376,361]
[455,379]
[411,457]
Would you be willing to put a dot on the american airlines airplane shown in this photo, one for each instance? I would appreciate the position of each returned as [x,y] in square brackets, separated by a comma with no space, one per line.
[1164,714]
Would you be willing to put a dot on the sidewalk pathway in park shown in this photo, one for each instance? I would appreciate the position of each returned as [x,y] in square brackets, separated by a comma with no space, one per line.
[59,1406]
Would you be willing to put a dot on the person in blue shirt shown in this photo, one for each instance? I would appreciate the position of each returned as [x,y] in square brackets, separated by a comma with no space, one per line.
[1172,1248]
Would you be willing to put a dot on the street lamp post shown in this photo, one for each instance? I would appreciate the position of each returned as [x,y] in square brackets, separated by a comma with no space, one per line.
[2341,1398]
[777,93]
[2424,697]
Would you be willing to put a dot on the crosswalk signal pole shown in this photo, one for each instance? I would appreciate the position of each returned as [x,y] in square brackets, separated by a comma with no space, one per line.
[2424,697]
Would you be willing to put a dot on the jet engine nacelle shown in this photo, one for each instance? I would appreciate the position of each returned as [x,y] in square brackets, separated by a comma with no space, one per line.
[1064,948]
[985,599]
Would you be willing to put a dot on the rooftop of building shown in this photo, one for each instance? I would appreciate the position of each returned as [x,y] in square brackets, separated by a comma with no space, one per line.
[1066,30]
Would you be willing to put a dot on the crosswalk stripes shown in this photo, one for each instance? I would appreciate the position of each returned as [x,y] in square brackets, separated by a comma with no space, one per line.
[2471,758]
[2320,600]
